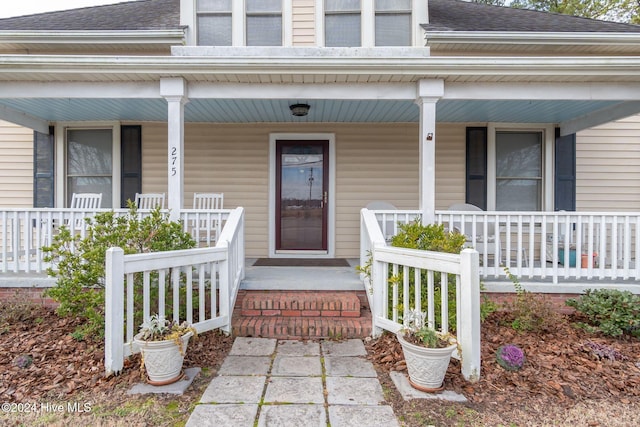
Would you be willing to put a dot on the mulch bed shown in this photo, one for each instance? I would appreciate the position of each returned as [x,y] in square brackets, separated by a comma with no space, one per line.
[560,369]
[63,366]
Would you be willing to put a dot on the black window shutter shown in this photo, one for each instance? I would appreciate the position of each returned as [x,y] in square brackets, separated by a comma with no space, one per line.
[476,167]
[131,153]
[43,169]
[565,172]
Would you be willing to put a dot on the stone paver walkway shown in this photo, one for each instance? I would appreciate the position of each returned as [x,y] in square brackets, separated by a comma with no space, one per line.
[294,383]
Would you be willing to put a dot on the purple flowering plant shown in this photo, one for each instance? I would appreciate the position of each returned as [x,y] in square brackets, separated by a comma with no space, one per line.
[510,357]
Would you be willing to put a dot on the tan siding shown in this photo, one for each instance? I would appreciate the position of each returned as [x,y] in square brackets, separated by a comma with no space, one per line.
[608,167]
[304,33]
[450,164]
[16,166]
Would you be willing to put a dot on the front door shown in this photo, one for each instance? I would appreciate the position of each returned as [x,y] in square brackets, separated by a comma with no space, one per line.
[301,195]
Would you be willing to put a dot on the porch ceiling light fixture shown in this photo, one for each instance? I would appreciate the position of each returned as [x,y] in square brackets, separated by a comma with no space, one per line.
[299,110]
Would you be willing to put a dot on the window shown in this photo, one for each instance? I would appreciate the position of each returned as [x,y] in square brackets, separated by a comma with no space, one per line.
[264,22]
[214,22]
[342,23]
[519,171]
[89,163]
[393,22]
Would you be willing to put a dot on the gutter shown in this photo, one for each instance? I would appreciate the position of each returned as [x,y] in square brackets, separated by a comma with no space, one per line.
[532,38]
[436,67]
[93,37]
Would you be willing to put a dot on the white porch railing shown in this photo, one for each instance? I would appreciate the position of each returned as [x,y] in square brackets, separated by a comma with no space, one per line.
[210,276]
[601,246]
[409,267]
[23,232]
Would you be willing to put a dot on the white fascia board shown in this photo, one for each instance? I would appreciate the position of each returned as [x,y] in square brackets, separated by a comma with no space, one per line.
[530,38]
[23,119]
[170,37]
[599,117]
[424,67]
[377,91]
[602,91]
[84,90]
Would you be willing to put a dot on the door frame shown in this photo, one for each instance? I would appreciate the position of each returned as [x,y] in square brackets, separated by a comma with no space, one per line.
[331,188]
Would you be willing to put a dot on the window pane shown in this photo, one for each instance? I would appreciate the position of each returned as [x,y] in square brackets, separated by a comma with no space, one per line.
[214,5]
[264,30]
[393,30]
[342,30]
[390,5]
[341,5]
[264,5]
[214,30]
[518,195]
[518,154]
[90,163]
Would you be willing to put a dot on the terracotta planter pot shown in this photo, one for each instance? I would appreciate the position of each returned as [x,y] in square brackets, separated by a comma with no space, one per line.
[427,366]
[163,359]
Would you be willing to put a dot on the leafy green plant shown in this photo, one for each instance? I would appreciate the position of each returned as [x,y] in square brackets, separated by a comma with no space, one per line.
[531,312]
[417,332]
[78,264]
[609,311]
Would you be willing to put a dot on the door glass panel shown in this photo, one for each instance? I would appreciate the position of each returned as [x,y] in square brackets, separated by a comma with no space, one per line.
[302,197]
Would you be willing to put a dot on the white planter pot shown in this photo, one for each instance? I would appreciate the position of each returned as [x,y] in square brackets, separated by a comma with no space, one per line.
[163,359]
[427,366]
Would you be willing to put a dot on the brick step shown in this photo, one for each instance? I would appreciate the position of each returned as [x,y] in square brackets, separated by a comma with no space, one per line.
[274,314]
[301,304]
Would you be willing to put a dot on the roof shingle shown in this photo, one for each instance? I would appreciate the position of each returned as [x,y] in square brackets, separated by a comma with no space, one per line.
[133,15]
[456,15]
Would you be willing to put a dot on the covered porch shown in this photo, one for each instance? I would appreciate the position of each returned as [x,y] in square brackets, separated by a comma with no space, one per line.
[392,126]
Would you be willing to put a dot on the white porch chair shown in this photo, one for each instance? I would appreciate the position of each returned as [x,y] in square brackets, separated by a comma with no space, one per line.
[492,245]
[86,201]
[387,224]
[149,200]
[207,227]
[208,201]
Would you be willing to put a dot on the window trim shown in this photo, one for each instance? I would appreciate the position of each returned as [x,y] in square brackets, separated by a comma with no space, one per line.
[61,158]
[548,137]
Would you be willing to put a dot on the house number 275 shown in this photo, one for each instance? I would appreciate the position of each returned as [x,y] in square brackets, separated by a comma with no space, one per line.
[174,159]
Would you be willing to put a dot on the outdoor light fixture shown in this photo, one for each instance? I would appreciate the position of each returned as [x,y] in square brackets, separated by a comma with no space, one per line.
[299,110]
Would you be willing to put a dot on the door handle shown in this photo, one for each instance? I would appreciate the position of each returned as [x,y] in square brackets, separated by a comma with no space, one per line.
[324,199]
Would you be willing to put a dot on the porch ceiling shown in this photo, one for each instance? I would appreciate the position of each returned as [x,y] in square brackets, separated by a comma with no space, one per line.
[322,110]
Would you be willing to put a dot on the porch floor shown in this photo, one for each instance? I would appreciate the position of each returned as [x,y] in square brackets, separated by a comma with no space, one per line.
[302,278]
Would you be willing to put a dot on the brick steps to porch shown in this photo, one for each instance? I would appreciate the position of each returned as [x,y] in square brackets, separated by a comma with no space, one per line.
[302,314]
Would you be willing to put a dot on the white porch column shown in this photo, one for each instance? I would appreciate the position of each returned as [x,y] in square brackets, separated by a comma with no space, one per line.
[429,92]
[174,90]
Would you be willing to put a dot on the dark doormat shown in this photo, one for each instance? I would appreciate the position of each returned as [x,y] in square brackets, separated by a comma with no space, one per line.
[301,262]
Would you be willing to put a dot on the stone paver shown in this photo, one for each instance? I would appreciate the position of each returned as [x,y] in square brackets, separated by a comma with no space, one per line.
[296,366]
[267,382]
[349,367]
[292,415]
[402,384]
[234,389]
[245,365]
[243,346]
[178,387]
[223,415]
[358,416]
[298,348]
[353,347]
[294,390]
[354,391]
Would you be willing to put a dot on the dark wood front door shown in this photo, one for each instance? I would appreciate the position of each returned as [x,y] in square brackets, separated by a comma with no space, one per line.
[301,195]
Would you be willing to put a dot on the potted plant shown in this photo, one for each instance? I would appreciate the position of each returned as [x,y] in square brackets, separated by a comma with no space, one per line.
[163,345]
[427,352]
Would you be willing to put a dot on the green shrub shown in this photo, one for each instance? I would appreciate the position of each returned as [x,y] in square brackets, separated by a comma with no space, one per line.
[531,312]
[80,262]
[609,311]
[430,237]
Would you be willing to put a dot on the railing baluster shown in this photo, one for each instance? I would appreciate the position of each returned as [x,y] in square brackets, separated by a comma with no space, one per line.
[394,303]
[444,302]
